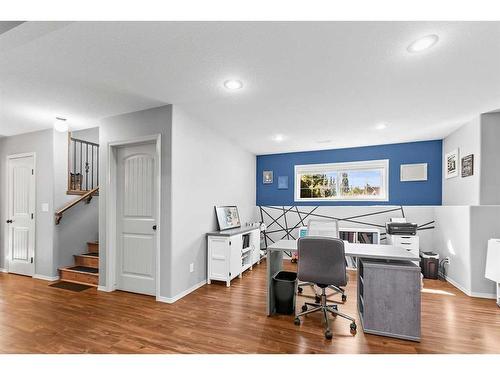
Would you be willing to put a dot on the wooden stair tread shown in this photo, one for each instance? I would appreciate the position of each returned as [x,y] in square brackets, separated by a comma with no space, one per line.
[81,269]
[88,255]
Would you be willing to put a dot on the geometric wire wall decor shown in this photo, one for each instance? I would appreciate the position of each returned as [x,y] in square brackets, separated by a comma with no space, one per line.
[284,221]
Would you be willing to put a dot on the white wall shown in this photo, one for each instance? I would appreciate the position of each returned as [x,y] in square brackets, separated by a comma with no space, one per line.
[207,170]
[40,142]
[458,190]
[452,238]
[462,234]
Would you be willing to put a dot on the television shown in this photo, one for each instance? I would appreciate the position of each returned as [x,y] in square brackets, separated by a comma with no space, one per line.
[227,217]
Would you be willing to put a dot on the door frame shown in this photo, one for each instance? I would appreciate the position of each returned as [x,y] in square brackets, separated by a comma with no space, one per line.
[7,254]
[111,194]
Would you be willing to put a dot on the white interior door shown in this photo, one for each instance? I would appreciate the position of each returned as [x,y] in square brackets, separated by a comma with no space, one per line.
[136,218]
[21,214]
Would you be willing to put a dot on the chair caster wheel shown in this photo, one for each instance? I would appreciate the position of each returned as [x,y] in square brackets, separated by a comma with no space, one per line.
[353,327]
[296,322]
[317,299]
[344,298]
[328,335]
[299,290]
[304,308]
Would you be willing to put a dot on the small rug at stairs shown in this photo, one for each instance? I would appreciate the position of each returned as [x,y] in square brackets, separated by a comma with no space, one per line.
[70,286]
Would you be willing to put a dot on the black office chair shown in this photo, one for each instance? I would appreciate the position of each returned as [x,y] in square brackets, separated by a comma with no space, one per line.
[322,262]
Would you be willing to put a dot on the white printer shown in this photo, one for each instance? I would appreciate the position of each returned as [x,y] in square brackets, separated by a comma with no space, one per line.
[403,234]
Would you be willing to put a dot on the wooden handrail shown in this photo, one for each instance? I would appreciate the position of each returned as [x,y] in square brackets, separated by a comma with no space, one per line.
[87,197]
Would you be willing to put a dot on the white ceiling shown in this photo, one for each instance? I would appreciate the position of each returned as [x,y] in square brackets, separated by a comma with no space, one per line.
[310,81]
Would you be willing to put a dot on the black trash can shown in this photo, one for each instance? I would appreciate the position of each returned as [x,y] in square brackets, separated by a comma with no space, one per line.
[285,284]
[429,264]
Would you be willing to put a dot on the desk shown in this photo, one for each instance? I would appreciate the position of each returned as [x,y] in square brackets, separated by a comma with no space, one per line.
[396,257]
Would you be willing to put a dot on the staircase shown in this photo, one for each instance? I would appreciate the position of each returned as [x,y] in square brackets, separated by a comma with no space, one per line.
[86,268]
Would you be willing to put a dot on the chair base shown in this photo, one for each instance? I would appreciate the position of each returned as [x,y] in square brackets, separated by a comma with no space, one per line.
[317,297]
[325,308]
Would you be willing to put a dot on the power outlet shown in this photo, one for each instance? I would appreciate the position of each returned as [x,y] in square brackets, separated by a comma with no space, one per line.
[447,260]
[191,267]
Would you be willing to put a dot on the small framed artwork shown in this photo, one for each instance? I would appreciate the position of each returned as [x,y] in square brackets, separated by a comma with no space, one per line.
[282,182]
[267,177]
[468,165]
[451,164]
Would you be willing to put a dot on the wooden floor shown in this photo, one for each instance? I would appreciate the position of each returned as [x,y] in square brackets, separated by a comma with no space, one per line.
[35,318]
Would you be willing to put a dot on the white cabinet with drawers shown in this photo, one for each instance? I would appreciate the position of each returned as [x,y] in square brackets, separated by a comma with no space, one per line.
[232,252]
[410,243]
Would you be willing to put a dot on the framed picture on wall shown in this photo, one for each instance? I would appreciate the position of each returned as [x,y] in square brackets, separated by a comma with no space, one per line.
[282,182]
[267,177]
[468,165]
[451,164]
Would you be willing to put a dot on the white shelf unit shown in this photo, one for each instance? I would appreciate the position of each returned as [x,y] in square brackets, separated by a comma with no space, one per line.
[355,235]
[360,235]
[229,255]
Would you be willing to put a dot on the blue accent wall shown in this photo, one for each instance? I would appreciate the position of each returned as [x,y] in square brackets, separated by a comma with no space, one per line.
[400,193]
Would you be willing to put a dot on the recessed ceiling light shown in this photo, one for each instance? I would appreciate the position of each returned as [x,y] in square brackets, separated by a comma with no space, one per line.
[381,126]
[278,137]
[61,125]
[233,84]
[423,43]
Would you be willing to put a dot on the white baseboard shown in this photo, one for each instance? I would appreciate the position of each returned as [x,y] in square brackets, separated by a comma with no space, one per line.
[468,291]
[46,278]
[3,270]
[182,294]
[484,295]
[103,288]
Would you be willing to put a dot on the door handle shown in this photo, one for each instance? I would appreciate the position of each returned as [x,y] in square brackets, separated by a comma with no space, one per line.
[9,221]
[154,227]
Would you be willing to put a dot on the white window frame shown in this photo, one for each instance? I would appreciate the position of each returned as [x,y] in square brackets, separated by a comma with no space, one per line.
[341,167]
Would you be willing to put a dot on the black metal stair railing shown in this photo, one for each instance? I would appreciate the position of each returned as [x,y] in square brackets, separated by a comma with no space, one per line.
[83,165]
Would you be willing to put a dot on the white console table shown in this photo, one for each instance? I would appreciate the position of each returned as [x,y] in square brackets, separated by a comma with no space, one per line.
[227,254]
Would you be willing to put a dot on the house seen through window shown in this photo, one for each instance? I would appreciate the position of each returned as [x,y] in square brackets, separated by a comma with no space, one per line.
[343,181]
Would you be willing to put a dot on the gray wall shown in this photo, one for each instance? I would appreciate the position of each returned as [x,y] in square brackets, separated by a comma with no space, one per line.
[40,142]
[470,214]
[485,224]
[490,161]
[207,170]
[89,135]
[458,190]
[80,223]
[124,127]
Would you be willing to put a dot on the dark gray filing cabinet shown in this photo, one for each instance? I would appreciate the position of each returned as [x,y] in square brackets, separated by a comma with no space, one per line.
[389,298]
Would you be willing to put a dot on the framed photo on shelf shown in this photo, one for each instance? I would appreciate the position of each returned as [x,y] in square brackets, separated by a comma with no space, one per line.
[468,165]
[451,164]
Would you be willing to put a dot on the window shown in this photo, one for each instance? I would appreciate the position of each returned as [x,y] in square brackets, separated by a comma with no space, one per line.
[363,180]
